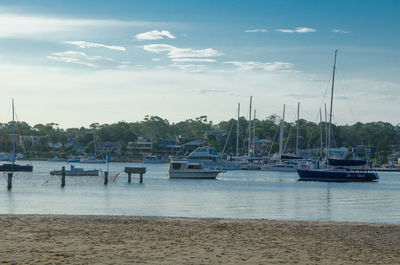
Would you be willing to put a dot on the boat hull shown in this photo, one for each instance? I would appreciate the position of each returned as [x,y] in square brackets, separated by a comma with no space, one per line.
[337,176]
[15,168]
[194,175]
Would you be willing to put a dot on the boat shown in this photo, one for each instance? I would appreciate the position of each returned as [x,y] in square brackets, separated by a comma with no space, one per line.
[12,167]
[282,166]
[152,160]
[74,171]
[337,170]
[208,158]
[55,159]
[92,160]
[188,170]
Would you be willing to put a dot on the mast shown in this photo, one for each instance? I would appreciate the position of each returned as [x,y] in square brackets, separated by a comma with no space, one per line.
[248,151]
[281,133]
[330,112]
[326,128]
[237,133]
[254,130]
[297,131]
[13,134]
[94,144]
[320,129]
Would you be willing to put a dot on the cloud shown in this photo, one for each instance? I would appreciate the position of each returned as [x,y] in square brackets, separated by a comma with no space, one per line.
[340,31]
[297,30]
[256,30]
[194,60]
[268,66]
[16,25]
[84,44]
[174,52]
[77,58]
[190,68]
[154,35]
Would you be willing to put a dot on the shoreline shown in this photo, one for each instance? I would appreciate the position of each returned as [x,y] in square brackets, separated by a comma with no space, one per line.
[180,240]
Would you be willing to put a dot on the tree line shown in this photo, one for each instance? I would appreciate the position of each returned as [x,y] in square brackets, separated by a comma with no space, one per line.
[381,137]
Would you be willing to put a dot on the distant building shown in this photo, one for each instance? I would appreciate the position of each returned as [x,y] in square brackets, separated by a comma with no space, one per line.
[108,147]
[32,139]
[361,152]
[140,149]
[169,147]
[261,147]
[191,146]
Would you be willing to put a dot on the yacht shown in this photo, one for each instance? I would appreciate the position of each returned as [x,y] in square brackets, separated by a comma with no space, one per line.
[187,170]
[208,158]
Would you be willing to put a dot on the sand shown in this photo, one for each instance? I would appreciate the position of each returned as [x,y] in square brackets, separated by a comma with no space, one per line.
[55,239]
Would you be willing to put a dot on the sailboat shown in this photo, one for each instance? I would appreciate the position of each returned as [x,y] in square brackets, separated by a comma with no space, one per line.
[338,174]
[12,167]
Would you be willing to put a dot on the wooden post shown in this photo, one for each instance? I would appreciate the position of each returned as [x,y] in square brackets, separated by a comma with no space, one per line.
[105,177]
[62,176]
[9,181]
[129,177]
[141,178]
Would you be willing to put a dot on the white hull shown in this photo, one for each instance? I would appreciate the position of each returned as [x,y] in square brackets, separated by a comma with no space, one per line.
[187,174]
[279,168]
[222,165]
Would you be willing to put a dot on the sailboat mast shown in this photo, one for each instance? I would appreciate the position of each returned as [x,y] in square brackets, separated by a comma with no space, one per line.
[249,145]
[281,133]
[330,112]
[320,129]
[326,127]
[254,130]
[237,132]
[297,130]
[13,134]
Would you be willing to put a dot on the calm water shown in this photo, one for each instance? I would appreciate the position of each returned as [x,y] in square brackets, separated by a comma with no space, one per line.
[235,194]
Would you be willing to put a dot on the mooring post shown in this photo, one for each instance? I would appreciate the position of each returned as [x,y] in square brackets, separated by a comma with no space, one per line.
[9,181]
[63,176]
[105,177]
[129,177]
[141,178]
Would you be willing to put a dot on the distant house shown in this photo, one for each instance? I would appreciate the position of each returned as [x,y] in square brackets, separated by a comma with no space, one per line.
[361,152]
[219,134]
[140,149]
[169,147]
[262,147]
[108,147]
[32,139]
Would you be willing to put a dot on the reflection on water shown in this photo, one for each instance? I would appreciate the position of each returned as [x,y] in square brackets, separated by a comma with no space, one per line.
[235,194]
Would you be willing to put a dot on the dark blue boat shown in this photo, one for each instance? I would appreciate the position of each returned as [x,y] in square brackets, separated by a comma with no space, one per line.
[16,168]
[336,175]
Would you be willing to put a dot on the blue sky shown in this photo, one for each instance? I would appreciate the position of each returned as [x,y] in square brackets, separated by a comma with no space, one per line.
[78,62]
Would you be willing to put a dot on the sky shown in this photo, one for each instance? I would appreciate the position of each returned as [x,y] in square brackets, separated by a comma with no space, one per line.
[79,62]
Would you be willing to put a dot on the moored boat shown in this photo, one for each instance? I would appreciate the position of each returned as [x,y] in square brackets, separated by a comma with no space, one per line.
[187,170]
[74,171]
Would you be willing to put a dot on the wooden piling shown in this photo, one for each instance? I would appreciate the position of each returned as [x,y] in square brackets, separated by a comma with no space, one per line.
[63,176]
[9,181]
[105,177]
[129,177]
[141,178]
[135,170]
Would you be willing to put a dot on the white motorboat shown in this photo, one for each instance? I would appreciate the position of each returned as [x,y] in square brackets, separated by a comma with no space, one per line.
[208,158]
[187,170]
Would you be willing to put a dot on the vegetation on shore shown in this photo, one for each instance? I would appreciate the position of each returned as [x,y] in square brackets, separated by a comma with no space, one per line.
[381,137]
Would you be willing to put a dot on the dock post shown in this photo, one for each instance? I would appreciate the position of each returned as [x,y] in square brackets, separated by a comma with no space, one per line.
[141,178]
[9,181]
[105,177]
[62,176]
[129,177]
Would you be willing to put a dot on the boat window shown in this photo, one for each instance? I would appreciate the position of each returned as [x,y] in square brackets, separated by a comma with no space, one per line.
[194,167]
[176,165]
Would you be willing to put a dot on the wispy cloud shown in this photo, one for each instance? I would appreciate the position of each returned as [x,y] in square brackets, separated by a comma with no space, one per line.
[297,30]
[194,60]
[155,35]
[268,66]
[341,31]
[191,68]
[84,44]
[17,25]
[174,52]
[77,58]
[256,30]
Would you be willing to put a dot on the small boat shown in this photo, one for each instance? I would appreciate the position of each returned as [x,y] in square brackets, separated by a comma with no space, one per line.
[208,158]
[74,171]
[16,168]
[152,160]
[188,170]
[93,160]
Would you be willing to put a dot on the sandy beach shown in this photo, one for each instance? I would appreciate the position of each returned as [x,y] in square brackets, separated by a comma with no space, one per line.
[39,239]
